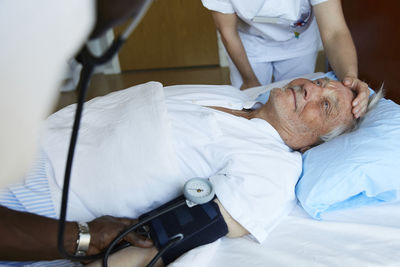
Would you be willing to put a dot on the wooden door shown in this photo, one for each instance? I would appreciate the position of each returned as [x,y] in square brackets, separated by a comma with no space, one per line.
[374,26]
[173,33]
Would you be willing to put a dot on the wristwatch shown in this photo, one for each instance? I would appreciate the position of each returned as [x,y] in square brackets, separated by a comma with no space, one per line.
[83,239]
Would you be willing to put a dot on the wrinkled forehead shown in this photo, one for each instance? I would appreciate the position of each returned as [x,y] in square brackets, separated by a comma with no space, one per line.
[342,98]
[344,94]
[338,95]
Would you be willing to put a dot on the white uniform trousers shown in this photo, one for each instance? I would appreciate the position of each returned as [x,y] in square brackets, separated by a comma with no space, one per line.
[281,70]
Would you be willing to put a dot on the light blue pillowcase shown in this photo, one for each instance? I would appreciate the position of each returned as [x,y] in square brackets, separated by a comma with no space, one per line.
[354,169]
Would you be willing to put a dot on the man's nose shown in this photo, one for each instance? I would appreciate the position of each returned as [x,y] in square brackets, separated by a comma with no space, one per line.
[311,91]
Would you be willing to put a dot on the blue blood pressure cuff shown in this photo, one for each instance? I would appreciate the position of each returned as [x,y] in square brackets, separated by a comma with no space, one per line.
[199,225]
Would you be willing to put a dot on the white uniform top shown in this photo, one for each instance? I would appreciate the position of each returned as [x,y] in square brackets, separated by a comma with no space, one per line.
[265,30]
[39,39]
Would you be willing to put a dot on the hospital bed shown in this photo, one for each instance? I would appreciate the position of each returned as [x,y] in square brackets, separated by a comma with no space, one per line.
[358,237]
[348,213]
[361,227]
[350,186]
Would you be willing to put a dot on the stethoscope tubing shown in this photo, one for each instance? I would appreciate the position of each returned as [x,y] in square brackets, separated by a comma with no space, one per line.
[89,62]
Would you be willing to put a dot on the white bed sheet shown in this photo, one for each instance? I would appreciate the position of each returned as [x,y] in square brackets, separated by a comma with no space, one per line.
[368,236]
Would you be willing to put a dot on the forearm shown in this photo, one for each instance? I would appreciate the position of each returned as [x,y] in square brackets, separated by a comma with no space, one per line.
[27,236]
[234,228]
[133,256]
[336,38]
[342,55]
[237,53]
[341,52]
[226,25]
[130,256]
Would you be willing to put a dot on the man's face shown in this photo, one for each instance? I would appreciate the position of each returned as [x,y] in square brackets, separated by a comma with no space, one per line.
[308,109]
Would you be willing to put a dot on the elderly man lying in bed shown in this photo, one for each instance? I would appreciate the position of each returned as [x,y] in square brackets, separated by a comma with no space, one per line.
[251,156]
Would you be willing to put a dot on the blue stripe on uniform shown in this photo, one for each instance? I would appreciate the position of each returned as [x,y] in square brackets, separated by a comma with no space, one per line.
[33,195]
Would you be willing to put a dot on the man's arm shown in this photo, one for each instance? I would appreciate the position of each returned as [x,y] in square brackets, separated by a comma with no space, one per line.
[137,257]
[234,228]
[341,51]
[226,24]
[27,236]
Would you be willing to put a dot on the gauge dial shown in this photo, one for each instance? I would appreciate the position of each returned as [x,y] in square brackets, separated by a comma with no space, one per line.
[198,190]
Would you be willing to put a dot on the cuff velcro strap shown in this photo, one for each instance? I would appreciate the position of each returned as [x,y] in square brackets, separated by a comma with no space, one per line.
[83,239]
[199,225]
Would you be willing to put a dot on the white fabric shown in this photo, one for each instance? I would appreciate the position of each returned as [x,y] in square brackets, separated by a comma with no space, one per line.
[38,38]
[245,166]
[270,41]
[282,69]
[33,195]
[316,2]
[124,138]
[125,165]
[358,237]
[244,159]
[211,95]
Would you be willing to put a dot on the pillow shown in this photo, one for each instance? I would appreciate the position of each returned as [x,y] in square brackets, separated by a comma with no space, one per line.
[354,169]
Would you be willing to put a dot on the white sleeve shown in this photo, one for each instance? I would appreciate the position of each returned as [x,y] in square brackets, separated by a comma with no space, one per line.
[258,190]
[223,6]
[316,2]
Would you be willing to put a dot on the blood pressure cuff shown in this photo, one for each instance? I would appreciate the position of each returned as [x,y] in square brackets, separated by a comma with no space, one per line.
[199,225]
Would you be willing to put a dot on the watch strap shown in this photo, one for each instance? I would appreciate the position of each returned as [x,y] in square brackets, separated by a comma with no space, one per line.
[83,239]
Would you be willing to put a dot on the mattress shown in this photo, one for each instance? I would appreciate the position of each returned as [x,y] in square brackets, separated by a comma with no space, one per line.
[367,236]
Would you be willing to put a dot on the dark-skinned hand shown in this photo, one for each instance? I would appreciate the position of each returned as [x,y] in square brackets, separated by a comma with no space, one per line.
[103,231]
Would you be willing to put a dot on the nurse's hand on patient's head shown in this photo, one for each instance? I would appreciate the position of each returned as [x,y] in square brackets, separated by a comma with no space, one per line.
[104,229]
[360,103]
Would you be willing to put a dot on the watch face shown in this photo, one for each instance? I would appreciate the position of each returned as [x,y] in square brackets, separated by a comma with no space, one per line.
[198,190]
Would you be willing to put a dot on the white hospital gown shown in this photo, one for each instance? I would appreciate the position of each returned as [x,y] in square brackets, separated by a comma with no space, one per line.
[253,171]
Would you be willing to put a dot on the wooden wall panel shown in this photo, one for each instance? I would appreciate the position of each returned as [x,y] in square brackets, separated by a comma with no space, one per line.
[375,29]
[173,33]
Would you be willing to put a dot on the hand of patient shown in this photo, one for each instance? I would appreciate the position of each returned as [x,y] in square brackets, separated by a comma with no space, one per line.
[104,229]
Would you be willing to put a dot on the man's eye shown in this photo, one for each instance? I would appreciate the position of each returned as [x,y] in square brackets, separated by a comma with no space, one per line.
[317,82]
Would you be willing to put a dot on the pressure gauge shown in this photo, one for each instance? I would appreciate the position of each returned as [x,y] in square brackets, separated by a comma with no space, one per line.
[198,191]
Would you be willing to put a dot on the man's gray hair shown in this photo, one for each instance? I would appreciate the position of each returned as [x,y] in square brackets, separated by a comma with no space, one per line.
[372,102]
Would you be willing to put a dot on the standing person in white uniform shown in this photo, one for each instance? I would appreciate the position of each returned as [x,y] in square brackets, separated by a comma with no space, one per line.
[38,38]
[281,38]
